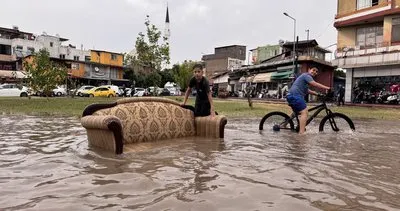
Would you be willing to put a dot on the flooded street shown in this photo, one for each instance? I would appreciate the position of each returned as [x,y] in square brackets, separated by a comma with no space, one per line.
[45,164]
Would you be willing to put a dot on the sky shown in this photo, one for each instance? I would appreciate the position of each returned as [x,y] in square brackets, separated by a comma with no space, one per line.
[197,26]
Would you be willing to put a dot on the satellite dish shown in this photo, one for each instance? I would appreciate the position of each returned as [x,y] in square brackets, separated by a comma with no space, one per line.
[96,69]
[281,42]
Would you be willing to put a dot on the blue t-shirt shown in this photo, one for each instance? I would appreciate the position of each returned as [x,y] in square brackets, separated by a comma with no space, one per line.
[300,85]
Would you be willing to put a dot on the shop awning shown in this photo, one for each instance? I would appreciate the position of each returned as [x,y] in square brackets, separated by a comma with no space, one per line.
[262,78]
[245,79]
[242,79]
[12,74]
[282,75]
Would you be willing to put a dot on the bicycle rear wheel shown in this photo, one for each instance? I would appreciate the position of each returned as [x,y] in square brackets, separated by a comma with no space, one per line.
[336,122]
[275,121]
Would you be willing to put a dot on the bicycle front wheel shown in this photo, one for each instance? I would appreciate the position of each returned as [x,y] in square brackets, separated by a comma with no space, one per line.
[276,121]
[336,122]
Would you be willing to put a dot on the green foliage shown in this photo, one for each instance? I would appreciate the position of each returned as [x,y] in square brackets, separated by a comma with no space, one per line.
[154,79]
[183,73]
[149,52]
[166,76]
[339,73]
[43,74]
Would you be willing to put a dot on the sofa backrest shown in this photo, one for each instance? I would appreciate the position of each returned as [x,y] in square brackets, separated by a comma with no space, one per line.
[150,118]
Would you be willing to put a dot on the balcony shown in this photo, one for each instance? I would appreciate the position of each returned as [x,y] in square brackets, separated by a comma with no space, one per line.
[7,58]
[370,14]
[368,57]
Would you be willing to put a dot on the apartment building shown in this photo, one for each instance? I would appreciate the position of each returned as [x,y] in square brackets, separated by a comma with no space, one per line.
[368,45]
[224,58]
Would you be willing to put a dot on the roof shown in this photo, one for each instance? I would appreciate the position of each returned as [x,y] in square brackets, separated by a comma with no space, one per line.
[301,43]
[228,46]
[60,38]
[105,51]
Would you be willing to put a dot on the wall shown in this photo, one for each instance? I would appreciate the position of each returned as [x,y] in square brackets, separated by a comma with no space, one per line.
[237,52]
[215,66]
[105,58]
[346,6]
[346,37]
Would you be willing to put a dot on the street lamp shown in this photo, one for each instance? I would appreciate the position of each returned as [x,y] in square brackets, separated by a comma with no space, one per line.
[294,40]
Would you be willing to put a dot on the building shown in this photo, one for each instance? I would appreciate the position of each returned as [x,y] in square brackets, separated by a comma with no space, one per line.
[277,72]
[224,58]
[104,67]
[264,52]
[368,45]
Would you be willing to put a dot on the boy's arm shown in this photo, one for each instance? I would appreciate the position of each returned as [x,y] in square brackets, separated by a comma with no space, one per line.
[187,93]
[312,92]
[212,111]
[318,85]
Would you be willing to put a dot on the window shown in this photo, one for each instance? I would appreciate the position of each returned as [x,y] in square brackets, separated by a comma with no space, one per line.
[396,30]
[87,58]
[76,58]
[19,48]
[51,44]
[369,37]
[113,73]
[113,57]
[361,4]
[62,56]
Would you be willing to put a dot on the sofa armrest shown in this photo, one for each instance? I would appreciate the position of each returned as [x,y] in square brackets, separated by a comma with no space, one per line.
[211,127]
[104,132]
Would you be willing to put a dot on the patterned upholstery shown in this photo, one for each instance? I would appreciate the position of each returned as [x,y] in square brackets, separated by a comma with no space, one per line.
[149,121]
[143,120]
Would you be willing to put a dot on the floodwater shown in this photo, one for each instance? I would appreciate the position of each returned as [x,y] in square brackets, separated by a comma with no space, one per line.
[45,164]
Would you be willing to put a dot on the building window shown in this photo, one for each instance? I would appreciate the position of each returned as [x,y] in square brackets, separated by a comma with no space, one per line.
[51,44]
[76,58]
[113,57]
[361,4]
[369,37]
[62,56]
[396,30]
[19,48]
[87,58]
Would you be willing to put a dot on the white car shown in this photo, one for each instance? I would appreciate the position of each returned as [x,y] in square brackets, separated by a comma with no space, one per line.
[82,89]
[13,90]
[139,92]
[60,91]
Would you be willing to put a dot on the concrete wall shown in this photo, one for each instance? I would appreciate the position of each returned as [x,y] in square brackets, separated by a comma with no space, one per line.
[55,50]
[346,6]
[346,37]
[215,66]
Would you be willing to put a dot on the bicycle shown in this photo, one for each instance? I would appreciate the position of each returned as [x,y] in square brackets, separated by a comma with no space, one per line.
[277,120]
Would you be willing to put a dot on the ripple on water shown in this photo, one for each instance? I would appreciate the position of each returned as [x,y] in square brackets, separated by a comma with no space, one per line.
[46,165]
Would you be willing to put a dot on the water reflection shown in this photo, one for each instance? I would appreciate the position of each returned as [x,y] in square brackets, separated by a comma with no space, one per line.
[46,164]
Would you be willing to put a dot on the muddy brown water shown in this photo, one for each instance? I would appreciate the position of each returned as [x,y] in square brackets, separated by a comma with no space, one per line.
[45,164]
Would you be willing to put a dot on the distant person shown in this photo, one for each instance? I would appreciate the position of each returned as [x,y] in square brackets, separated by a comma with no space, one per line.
[298,90]
[204,103]
[341,95]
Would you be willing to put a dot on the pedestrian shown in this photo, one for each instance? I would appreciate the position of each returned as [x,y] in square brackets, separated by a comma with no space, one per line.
[341,95]
[204,103]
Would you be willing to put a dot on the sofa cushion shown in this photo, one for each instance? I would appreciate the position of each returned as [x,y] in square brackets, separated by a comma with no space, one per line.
[148,121]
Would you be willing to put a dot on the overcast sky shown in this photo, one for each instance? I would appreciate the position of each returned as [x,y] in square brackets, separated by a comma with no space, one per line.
[197,26]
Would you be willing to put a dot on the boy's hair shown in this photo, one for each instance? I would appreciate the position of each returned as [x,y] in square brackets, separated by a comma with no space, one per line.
[200,66]
[314,67]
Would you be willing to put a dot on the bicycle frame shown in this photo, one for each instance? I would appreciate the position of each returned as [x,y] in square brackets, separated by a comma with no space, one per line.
[317,109]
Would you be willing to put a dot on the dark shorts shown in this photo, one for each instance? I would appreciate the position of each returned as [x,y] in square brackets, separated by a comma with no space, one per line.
[202,109]
[297,102]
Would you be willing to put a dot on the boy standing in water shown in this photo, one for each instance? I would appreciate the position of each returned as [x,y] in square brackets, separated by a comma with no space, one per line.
[204,103]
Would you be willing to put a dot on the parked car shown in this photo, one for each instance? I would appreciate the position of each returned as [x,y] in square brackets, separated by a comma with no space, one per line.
[82,89]
[164,92]
[13,90]
[60,91]
[139,92]
[115,89]
[99,92]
